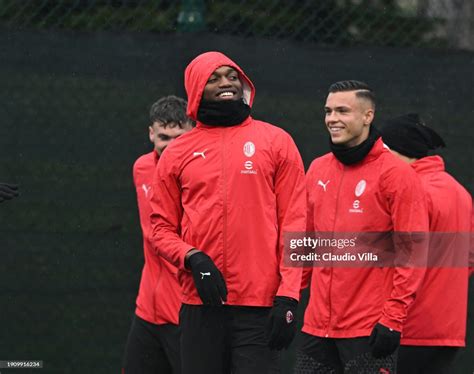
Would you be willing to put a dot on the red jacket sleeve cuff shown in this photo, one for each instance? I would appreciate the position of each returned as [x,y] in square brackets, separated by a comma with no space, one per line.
[184,250]
[288,293]
[391,324]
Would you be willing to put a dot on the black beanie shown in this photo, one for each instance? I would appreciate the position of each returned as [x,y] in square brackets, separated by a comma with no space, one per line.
[409,136]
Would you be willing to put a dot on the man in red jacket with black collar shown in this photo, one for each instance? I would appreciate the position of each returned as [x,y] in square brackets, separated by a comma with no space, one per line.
[356,311]
[153,341]
[224,195]
[436,325]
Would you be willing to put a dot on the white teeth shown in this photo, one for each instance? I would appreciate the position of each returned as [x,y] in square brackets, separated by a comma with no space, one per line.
[226,94]
[335,129]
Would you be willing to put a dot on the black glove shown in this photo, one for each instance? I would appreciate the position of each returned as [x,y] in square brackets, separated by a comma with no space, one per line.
[8,191]
[383,341]
[281,325]
[208,279]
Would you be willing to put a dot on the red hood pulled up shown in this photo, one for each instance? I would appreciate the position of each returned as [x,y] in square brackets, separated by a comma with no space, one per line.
[198,72]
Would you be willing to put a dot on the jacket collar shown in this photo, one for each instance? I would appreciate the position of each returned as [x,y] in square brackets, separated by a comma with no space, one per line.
[428,164]
[378,148]
[201,125]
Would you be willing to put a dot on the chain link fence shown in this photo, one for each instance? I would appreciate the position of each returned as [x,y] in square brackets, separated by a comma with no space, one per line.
[407,23]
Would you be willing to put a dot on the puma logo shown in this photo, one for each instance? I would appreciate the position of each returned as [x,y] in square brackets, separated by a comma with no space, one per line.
[200,154]
[203,274]
[323,185]
[146,189]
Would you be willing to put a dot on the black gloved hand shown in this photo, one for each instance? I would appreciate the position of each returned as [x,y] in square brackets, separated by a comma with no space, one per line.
[383,341]
[8,191]
[281,325]
[208,279]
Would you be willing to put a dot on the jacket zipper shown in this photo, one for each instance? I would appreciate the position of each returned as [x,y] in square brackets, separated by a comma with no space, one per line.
[332,268]
[224,198]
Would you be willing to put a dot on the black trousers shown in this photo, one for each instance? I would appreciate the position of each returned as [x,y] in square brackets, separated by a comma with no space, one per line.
[421,360]
[225,339]
[317,355]
[152,349]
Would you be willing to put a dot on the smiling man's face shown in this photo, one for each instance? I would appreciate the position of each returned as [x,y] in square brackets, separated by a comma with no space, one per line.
[348,118]
[223,84]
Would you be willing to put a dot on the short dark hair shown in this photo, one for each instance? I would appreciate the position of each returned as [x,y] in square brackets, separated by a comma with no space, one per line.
[170,110]
[362,89]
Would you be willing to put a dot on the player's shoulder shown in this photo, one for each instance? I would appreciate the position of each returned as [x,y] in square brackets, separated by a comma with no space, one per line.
[321,164]
[145,161]
[396,174]
[323,160]
[183,142]
[144,165]
[269,129]
[276,138]
[450,184]
[391,165]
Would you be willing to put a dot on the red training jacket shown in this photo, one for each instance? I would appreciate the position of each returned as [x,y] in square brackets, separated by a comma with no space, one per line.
[159,296]
[378,194]
[438,315]
[231,192]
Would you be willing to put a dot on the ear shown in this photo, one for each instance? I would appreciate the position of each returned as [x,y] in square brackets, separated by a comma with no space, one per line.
[368,116]
[151,133]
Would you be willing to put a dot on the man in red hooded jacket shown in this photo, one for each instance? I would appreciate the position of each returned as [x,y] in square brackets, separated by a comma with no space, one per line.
[436,324]
[153,341]
[224,195]
[356,311]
